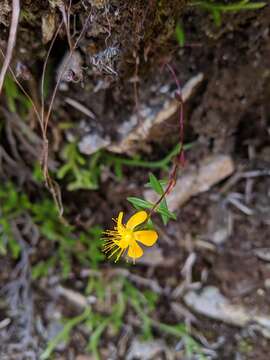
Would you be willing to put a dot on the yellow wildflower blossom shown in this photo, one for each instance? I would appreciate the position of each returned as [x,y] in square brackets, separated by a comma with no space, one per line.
[125,237]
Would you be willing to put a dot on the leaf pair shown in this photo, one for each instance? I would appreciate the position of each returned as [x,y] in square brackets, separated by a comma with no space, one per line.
[162,209]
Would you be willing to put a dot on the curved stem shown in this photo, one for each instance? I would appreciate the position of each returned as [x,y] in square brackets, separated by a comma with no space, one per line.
[11,40]
[150,164]
[179,159]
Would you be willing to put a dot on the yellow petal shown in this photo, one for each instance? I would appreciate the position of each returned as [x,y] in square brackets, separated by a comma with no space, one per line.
[146,237]
[136,219]
[120,227]
[135,251]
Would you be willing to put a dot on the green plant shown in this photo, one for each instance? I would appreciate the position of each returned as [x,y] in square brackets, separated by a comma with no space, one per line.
[118,162]
[81,173]
[64,335]
[143,303]
[180,34]
[83,246]
[90,253]
[218,8]
[162,209]
[95,322]
[98,324]
[12,204]
[15,97]
[43,214]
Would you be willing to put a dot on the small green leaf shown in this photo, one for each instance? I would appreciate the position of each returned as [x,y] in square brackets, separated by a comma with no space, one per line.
[41,269]
[163,183]
[150,225]
[217,17]
[165,212]
[163,207]
[61,173]
[118,170]
[139,203]
[37,172]
[155,184]
[11,92]
[14,247]
[180,34]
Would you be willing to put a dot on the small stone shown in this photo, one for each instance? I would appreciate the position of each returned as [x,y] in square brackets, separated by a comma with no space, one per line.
[193,181]
[219,228]
[152,257]
[211,303]
[92,143]
[263,254]
[145,350]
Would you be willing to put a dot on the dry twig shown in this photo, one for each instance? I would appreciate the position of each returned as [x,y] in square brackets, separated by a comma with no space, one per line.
[11,40]
[51,184]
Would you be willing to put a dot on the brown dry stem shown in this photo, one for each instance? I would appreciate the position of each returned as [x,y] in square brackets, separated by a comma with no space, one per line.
[50,183]
[11,40]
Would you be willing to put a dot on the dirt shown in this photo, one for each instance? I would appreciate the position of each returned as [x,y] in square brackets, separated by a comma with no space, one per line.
[129,43]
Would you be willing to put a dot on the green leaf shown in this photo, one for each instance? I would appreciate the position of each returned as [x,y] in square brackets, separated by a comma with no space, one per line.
[118,170]
[42,268]
[11,92]
[155,184]
[14,247]
[37,172]
[162,209]
[95,337]
[150,225]
[163,183]
[180,34]
[163,206]
[217,17]
[165,212]
[139,203]
[61,173]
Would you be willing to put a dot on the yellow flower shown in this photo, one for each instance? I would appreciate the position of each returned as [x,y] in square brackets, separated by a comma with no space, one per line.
[125,237]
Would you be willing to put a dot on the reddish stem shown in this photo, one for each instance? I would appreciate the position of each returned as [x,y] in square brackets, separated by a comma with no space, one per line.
[179,159]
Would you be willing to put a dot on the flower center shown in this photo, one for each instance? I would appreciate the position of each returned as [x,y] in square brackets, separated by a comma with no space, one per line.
[126,238]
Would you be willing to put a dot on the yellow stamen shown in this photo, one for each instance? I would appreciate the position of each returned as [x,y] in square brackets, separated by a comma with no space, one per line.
[125,237]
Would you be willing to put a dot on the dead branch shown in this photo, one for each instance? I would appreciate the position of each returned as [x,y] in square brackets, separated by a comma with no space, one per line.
[11,40]
[34,106]
[46,119]
[43,76]
[50,183]
[66,19]
[78,106]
